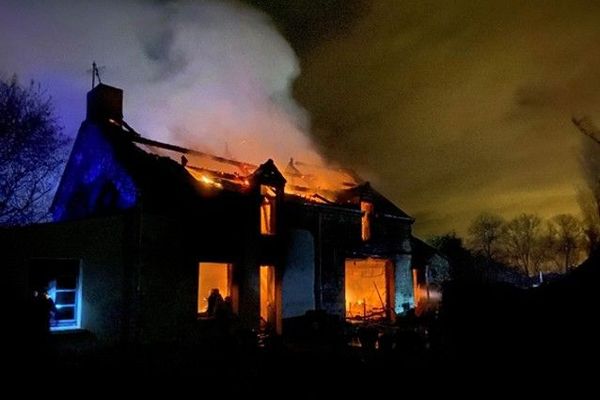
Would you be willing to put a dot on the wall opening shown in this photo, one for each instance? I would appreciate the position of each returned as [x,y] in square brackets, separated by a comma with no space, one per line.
[366,209]
[214,286]
[268,211]
[369,285]
[268,311]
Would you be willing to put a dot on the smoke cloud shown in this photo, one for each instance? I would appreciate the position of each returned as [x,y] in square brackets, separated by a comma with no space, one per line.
[212,75]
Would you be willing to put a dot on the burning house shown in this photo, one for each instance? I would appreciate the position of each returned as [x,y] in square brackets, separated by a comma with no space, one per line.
[144,231]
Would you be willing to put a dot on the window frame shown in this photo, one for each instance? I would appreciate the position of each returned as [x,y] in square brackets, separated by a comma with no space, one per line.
[68,324]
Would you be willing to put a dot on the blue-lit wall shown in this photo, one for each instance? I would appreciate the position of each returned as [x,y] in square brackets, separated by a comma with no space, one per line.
[298,282]
[94,182]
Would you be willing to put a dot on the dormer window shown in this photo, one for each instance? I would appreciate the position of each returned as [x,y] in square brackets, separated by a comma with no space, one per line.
[268,210]
[366,209]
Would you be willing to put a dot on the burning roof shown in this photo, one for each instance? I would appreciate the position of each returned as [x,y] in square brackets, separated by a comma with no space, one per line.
[313,183]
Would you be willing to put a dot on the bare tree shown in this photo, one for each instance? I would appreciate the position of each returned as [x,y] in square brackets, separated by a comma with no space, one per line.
[522,241]
[31,152]
[565,234]
[485,233]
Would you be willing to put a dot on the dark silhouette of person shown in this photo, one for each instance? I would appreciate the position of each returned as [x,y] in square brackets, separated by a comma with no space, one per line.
[41,310]
[214,302]
[224,309]
[226,322]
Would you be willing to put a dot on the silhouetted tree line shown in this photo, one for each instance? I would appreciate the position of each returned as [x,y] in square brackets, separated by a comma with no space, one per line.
[470,267]
[512,250]
[526,242]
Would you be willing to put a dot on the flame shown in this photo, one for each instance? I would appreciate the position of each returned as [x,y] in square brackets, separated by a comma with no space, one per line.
[316,183]
[205,179]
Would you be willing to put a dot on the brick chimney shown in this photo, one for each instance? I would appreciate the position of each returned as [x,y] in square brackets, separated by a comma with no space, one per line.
[105,103]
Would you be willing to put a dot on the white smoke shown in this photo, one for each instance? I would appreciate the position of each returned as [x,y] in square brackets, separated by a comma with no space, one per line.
[205,74]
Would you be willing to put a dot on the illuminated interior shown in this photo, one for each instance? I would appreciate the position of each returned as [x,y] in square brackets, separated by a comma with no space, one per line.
[267,210]
[369,288]
[267,297]
[367,212]
[212,276]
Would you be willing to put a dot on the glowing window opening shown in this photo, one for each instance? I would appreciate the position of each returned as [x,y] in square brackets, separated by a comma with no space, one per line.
[213,276]
[366,209]
[369,289]
[268,210]
[267,297]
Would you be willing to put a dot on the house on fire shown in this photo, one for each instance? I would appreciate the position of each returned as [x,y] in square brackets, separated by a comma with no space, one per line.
[143,231]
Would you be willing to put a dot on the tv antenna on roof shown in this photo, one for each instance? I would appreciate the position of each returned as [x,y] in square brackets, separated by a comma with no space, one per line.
[95,73]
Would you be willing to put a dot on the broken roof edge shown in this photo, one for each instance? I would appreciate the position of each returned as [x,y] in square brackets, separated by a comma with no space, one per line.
[184,150]
[251,170]
[366,192]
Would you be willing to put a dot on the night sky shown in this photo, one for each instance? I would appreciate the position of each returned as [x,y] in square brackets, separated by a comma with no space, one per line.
[449,108]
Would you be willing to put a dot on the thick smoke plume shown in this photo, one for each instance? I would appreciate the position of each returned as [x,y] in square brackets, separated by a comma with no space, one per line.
[213,75]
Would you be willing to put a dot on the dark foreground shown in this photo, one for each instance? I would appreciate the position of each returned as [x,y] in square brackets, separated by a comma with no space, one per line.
[494,334]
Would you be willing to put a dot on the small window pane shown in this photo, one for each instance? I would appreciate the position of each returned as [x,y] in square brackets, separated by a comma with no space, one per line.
[66,282]
[65,297]
[65,312]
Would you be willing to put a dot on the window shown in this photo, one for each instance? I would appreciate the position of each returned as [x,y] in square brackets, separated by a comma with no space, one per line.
[61,279]
[214,285]
[367,212]
[268,210]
